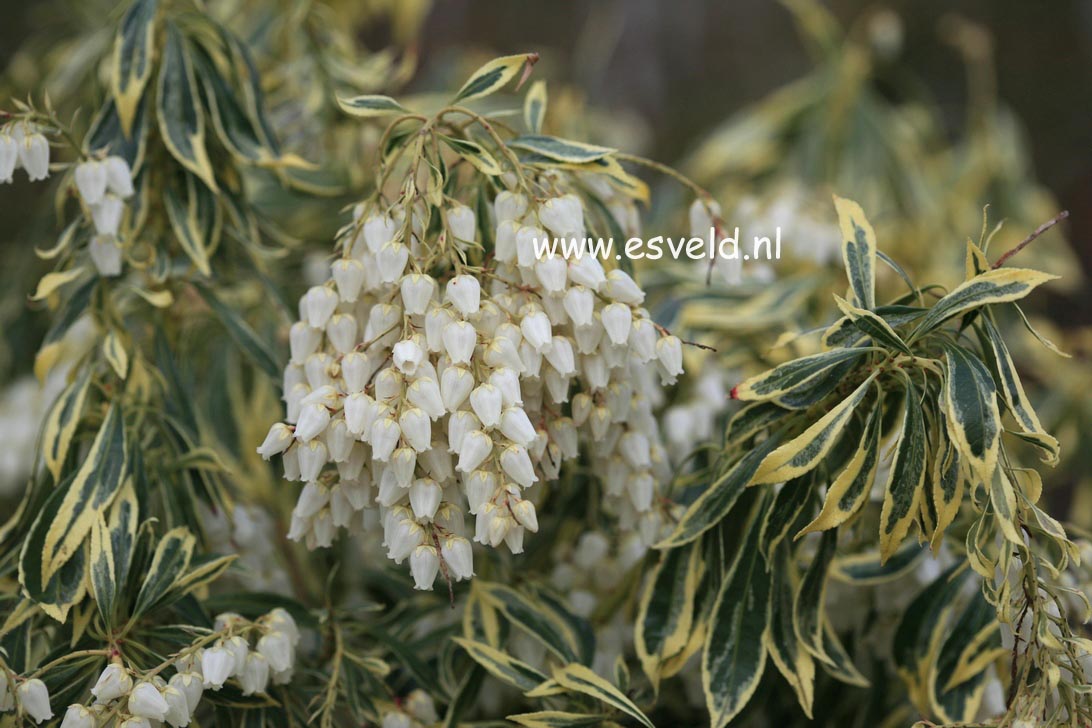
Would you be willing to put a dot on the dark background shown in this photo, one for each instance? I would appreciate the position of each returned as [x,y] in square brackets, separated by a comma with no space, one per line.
[683,66]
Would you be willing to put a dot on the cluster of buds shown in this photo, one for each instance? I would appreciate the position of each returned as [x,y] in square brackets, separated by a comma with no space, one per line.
[142,700]
[23,145]
[28,697]
[437,389]
[103,186]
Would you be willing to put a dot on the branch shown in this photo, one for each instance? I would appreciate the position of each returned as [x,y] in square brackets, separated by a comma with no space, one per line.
[1031,238]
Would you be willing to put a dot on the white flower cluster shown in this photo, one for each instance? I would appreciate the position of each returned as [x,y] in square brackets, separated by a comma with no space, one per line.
[248,531]
[149,701]
[30,697]
[435,396]
[104,185]
[22,145]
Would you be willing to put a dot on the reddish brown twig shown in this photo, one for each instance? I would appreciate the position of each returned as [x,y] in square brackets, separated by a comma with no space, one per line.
[1031,238]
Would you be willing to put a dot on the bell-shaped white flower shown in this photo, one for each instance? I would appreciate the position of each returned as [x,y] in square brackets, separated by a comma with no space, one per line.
[78,716]
[587,271]
[507,381]
[106,254]
[407,356]
[303,341]
[417,292]
[255,674]
[216,666]
[516,464]
[622,288]
[106,215]
[384,436]
[669,352]
[178,709]
[529,240]
[424,565]
[536,329]
[425,495]
[34,156]
[579,303]
[313,419]
[551,273]
[90,179]
[135,721]
[402,537]
[617,319]
[640,487]
[317,306]
[341,332]
[416,428]
[560,355]
[419,704]
[312,498]
[119,178]
[191,685]
[277,648]
[486,402]
[378,231]
[436,322]
[114,681]
[312,457]
[564,215]
[509,206]
[474,449]
[392,259]
[461,221]
[9,156]
[455,385]
[425,393]
[459,557]
[524,512]
[282,621]
[460,339]
[145,701]
[517,427]
[277,441]
[464,294]
[505,242]
[33,694]
[348,274]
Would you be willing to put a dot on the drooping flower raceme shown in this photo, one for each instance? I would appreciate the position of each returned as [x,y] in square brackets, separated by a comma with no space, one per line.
[437,389]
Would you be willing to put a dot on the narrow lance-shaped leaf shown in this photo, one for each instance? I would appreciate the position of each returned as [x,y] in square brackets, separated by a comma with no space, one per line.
[502,666]
[1013,390]
[858,251]
[793,662]
[89,494]
[809,604]
[561,150]
[874,326]
[474,153]
[866,569]
[64,587]
[534,107]
[61,422]
[718,498]
[187,229]
[799,456]
[178,109]
[103,571]
[958,701]
[840,666]
[666,610]
[851,488]
[973,422]
[494,75]
[369,106]
[172,558]
[995,286]
[902,495]
[538,623]
[124,520]
[948,484]
[733,658]
[792,375]
[582,680]
[556,719]
[132,59]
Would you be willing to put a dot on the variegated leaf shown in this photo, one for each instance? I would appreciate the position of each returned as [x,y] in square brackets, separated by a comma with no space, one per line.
[494,75]
[956,698]
[973,421]
[61,422]
[858,251]
[793,661]
[793,375]
[666,611]
[554,634]
[866,569]
[64,587]
[809,603]
[803,453]
[851,488]
[369,106]
[903,492]
[874,326]
[131,63]
[948,485]
[103,570]
[115,354]
[501,665]
[733,658]
[995,286]
[474,153]
[172,558]
[560,150]
[581,679]
[534,107]
[178,109]
[88,495]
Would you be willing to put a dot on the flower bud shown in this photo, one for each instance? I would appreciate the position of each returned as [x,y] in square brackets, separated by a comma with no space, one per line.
[516,464]
[517,427]
[524,512]
[277,441]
